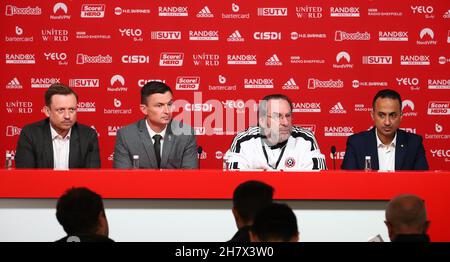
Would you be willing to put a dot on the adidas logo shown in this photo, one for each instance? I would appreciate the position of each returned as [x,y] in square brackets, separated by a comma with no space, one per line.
[338,109]
[205,13]
[290,84]
[274,61]
[14,84]
[235,37]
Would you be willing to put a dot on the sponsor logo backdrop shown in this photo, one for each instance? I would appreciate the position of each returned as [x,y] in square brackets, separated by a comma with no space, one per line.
[220,57]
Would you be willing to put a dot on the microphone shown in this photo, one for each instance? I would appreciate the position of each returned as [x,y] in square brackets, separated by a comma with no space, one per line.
[333,152]
[199,152]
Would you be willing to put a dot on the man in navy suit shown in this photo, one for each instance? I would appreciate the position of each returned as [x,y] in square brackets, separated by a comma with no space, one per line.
[388,147]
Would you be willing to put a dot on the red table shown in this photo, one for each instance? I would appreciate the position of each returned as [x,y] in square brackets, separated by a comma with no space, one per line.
[433,187]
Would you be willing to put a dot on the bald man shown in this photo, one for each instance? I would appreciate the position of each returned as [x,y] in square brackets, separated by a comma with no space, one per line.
[406,219]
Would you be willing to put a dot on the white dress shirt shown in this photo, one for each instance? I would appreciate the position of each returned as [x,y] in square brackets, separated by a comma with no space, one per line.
[386,154]
[61,149]
[152,133]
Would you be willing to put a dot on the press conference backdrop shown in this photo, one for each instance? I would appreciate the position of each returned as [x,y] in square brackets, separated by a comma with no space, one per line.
[221,57]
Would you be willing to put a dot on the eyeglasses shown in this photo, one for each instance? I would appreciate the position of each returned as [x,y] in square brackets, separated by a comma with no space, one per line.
[278,117]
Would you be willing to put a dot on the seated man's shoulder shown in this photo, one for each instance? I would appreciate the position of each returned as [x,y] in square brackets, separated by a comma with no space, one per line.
[300,131]
[363,135]
[251,132]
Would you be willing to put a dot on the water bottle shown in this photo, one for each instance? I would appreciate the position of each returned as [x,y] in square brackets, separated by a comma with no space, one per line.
[8,161]
[135,161]
[367,164]
[225,164]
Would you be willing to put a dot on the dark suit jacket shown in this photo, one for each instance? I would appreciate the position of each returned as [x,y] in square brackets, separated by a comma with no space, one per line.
[179,148]
[35,147]
[242,236]
[409,151]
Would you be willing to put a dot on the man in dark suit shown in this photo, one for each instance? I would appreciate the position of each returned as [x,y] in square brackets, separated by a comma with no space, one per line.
[58,141]
[389,147]
[406,219]
[81,213]
[248,199]
[157,140]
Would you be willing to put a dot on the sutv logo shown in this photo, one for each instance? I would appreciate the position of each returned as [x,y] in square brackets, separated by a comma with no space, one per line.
[60,8]
[84,82]
[270,11]
[235,37]
[166,35]
[338,109]
[14,84]
[377,60]
[273,61]
[205,13]
[291,85]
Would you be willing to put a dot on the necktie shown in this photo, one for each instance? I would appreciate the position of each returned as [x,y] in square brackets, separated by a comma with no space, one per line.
[157,146]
